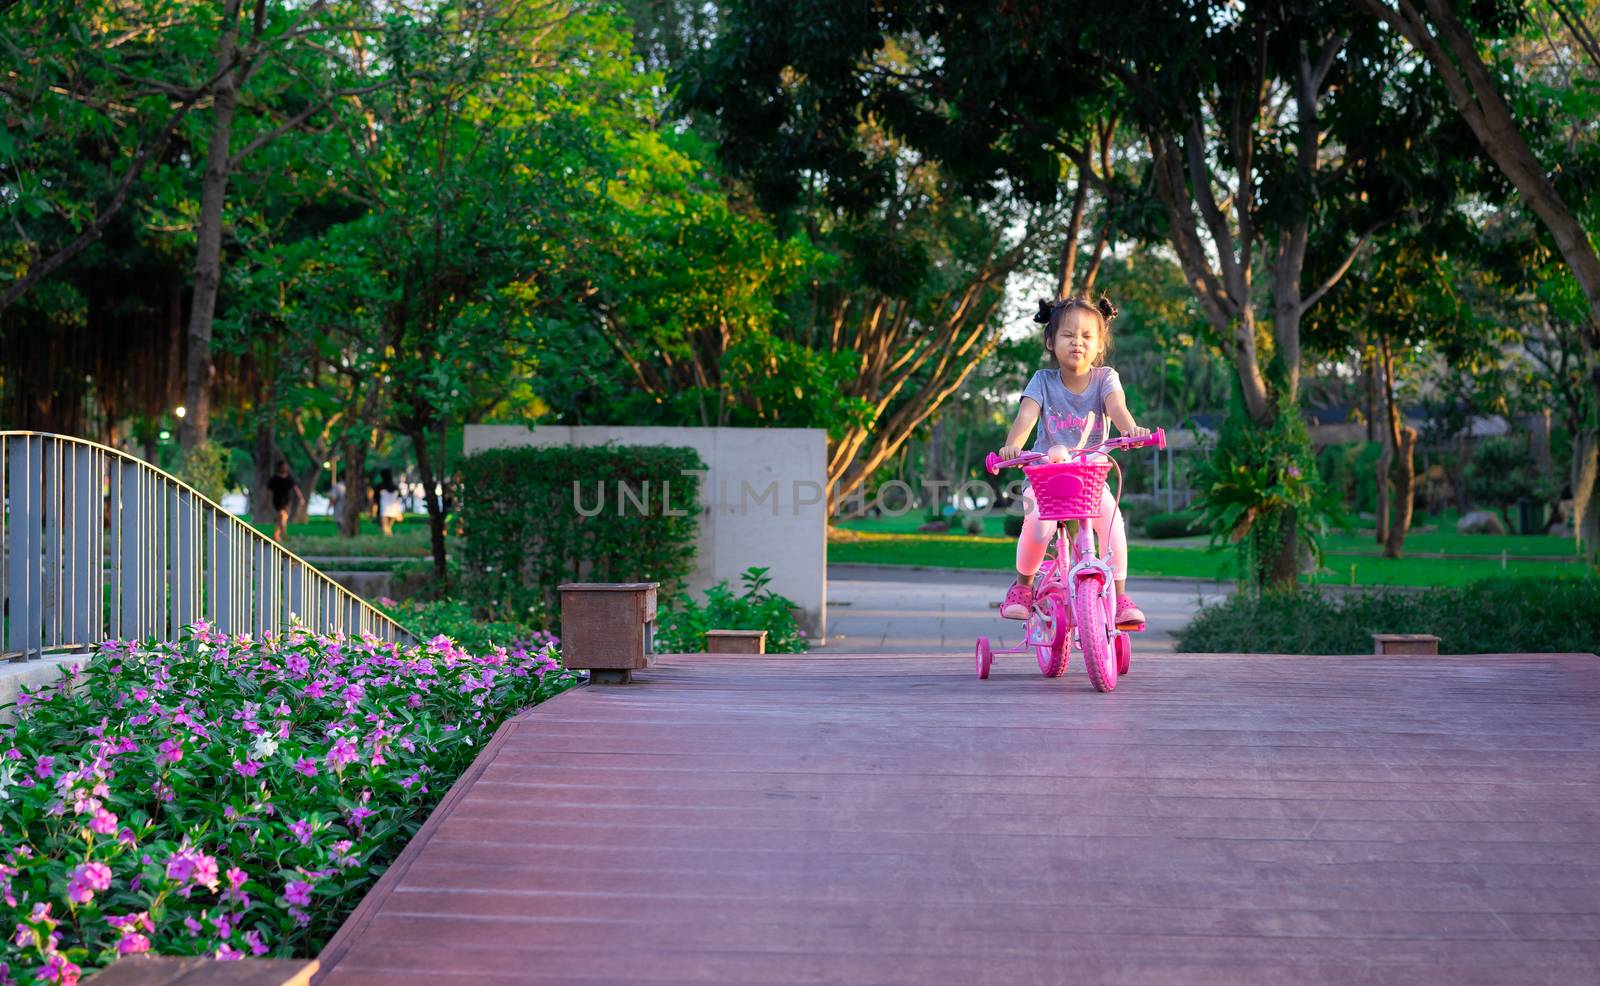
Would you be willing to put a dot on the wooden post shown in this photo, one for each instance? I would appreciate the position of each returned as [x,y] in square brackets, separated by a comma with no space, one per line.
[608,628]
[1405,643]
[736,641]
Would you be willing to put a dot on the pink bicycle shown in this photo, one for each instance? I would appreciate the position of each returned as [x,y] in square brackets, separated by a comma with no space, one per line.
[1074,593]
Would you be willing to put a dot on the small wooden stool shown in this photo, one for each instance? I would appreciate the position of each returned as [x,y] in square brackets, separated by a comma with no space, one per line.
[608,628]
[1405,643]
[736,641]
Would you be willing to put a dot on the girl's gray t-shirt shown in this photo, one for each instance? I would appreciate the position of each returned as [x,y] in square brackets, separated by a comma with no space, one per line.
[1063,414]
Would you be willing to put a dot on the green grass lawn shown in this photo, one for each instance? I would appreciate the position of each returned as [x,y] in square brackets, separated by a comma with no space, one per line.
[999,553]
[319,537]
[1338,543]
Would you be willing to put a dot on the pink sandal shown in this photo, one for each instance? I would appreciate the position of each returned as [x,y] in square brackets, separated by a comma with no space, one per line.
[1018,602]
[1129,614]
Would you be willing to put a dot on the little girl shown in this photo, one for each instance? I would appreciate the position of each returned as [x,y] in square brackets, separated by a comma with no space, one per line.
[1070,402]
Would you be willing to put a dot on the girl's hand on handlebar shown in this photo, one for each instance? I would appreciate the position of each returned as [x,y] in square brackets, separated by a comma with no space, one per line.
[1137,432]
[1010,452]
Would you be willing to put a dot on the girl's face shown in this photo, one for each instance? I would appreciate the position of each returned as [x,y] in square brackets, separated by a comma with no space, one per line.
[1077,340]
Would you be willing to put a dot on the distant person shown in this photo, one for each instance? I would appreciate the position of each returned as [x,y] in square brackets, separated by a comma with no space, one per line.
[386,501]
[285,490]
[335,497]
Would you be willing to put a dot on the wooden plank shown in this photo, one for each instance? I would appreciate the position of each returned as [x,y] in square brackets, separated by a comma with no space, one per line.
[173,970]
[1239,819]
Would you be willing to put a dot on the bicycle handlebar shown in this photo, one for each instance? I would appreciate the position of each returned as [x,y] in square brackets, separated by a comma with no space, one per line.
[1158,438]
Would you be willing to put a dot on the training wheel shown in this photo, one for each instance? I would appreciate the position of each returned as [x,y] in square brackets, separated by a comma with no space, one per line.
[1124,653]
[985,657]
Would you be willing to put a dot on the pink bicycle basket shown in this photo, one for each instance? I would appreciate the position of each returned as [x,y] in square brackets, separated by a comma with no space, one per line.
[1068,490]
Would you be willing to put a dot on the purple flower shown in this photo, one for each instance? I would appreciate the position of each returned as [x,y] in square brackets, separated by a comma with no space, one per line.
[302,831]
[103,823]
[247,769]
[86,879]
[306,766]
[171,752]
[257,946]
[57,969]
[298,892]
[227,953]
[341,753]
[44,768]
[132,944]
[180,866]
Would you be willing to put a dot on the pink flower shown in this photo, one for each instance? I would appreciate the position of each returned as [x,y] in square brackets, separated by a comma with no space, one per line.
[305,766]
[44,768]
[257,946]
[103,823]
[247,769]
[205,871]
[298,892]
[132,944]
[171,752]
[86,879]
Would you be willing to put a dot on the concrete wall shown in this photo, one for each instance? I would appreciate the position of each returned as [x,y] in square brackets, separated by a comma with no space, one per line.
[762,500]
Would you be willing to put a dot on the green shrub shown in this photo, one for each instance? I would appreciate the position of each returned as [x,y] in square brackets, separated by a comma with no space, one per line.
[1013,525]
[1490,617]
[683,629]
[525,531]
[454,618]
[1178,524]
[208,467]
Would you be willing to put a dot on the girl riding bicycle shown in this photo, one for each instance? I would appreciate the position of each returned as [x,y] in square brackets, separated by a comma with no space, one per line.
[1070,402]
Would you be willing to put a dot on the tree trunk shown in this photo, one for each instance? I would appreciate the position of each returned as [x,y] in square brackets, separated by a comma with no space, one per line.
[265,454]
[430,495]
[1403,485]
[301,511]
[1380,505]
[208,235]
[1585,503]
[1282,570]
[354,505]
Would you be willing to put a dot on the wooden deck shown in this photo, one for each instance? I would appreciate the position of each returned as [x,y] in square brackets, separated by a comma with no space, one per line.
[893,820]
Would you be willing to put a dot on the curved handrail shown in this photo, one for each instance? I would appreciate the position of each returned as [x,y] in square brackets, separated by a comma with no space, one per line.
[76,512]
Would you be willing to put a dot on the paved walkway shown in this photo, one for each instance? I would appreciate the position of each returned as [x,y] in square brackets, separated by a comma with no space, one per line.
[892,820]
[884,610]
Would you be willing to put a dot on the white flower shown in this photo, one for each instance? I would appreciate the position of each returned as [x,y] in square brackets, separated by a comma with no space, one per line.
[264,747]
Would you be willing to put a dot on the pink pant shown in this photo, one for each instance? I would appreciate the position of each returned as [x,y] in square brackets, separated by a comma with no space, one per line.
[1108,531]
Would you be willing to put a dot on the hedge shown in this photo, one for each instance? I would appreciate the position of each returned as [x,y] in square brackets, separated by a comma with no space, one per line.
[1495,616]
[525,531]
[1182,523]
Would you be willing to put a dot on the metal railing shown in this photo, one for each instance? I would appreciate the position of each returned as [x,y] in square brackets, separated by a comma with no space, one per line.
[100,545]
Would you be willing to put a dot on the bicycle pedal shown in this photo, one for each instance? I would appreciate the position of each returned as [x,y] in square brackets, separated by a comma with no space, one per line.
[1131,627]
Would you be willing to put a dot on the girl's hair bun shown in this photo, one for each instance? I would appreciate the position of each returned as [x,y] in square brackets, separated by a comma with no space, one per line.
[1107,309]
[1046,307]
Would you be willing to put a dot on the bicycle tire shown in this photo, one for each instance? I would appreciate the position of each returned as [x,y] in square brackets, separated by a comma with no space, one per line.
[1093,637]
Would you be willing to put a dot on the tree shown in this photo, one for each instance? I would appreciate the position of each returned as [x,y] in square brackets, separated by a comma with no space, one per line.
[1402,299]
[1452,47]
[1276,140]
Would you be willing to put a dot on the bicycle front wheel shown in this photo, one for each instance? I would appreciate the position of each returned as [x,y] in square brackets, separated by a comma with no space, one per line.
[1094,637]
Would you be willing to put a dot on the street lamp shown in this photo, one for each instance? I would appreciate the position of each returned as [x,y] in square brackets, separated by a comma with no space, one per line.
[181,411]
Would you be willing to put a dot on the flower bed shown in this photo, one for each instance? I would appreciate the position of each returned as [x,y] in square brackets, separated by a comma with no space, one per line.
[228,796]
